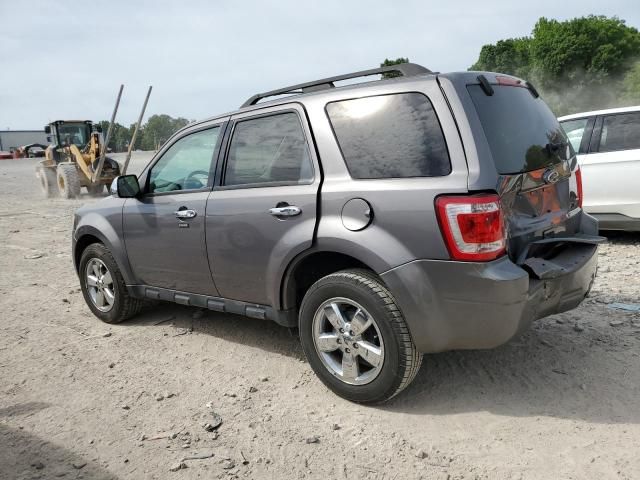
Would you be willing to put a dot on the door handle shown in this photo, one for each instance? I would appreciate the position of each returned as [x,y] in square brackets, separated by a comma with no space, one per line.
[285,211]
[185,214]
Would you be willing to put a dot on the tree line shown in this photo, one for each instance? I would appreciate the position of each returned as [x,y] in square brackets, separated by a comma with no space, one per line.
[585,63]
[151,135]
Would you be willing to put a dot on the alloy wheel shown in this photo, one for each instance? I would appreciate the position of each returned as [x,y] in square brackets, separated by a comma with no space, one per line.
[348,341]
[99,283]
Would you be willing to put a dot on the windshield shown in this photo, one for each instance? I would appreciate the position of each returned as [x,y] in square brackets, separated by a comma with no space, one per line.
[522,132]
[76,133]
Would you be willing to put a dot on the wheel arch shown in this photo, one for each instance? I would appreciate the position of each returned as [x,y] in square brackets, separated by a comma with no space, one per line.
[87,235]
[311,265]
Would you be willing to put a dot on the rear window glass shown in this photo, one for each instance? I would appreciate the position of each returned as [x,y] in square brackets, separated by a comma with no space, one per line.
[390,136]
[620,132]
[522,132]
[575,131]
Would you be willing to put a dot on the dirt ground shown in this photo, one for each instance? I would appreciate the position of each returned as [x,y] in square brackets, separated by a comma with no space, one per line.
[83,399]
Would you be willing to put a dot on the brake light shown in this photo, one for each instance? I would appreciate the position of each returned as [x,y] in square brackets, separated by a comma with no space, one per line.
[509,81]
[472,226]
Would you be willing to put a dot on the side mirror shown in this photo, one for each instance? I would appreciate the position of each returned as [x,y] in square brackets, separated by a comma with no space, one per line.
[47,129]
[49,138]
[99,128]
[125,186]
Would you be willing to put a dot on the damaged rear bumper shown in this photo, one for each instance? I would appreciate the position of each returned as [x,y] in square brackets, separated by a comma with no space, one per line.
[460,305]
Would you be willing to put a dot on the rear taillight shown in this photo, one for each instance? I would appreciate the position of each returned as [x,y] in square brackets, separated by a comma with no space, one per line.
[575,185]
[578,174]
[472,226]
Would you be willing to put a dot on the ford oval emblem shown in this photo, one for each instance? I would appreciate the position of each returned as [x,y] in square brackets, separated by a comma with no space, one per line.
[550,175]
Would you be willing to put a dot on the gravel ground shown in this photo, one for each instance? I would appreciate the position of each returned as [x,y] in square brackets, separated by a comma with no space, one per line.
[82,399]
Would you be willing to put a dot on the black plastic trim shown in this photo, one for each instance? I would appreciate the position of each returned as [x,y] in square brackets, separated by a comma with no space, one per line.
[286,318]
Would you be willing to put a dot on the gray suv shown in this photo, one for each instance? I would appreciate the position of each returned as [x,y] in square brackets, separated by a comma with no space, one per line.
[418,213]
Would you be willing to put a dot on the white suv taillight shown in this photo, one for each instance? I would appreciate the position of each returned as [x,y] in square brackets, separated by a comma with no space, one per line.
[472,226]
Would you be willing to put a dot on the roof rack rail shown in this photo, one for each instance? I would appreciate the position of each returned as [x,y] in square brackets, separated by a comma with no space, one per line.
[405,69]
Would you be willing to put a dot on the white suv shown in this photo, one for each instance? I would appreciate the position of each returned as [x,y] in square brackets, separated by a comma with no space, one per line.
[608,147]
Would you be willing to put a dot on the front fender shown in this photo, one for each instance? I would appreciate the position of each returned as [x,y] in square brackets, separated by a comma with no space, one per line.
[105,224]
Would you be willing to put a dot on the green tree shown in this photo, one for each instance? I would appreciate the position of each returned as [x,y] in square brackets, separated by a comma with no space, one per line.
[577,65]
[510,56]
[388,63]
[588,50]
[157,130]
[120,136]
[631,85]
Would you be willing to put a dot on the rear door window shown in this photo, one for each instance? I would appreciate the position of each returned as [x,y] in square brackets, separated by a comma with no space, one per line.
[390,136]
[268,150]
[620,132]
[523,133]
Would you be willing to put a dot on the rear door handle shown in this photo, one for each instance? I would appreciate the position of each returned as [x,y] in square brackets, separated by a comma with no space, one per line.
[185,214]
[285,211]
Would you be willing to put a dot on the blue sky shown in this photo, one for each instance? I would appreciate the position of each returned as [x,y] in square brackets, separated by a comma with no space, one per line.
[66,59]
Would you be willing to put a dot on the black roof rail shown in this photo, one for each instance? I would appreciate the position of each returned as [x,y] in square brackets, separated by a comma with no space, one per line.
[405,69]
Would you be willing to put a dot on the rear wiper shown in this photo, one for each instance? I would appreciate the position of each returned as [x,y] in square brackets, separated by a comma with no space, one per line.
[552,147]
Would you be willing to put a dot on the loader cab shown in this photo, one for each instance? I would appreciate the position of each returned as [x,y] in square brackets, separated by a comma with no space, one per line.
[66,132]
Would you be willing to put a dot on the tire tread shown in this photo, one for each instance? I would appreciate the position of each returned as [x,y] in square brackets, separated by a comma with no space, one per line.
[410,358]
[69,172]
[130,305]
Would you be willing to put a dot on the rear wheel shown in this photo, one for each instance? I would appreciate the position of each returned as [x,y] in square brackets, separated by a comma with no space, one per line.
[47,179]
[68,180]
[95,190]
[355,337]
[103,286]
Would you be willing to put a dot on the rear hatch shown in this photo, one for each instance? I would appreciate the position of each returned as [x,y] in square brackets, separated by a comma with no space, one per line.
[535,165]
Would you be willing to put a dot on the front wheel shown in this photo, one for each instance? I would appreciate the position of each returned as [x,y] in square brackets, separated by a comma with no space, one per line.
[68,180]
[355,337]
[103,286]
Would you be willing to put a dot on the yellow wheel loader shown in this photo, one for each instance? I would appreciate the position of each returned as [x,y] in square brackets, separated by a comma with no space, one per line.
[72,160]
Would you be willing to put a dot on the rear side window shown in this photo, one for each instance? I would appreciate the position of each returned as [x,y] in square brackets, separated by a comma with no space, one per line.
[522,132]
[269,149]
[390,136]
[620,132]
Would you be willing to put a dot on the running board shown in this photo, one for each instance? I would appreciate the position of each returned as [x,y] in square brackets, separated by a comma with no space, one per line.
[286,318]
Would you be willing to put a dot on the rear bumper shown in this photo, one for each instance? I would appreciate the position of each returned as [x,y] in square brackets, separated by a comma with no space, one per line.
[458,305]
[617,221]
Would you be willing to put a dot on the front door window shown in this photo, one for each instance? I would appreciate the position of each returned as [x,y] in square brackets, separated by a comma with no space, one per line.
[186,165]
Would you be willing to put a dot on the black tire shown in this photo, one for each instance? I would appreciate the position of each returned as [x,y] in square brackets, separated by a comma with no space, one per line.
[95,190]
[401,358]
[47,178]
[109,164]
[124,306]
[68,180]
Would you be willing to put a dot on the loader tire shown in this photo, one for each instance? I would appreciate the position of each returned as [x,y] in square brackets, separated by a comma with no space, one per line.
[68,180]
[47,179]
[95,190]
